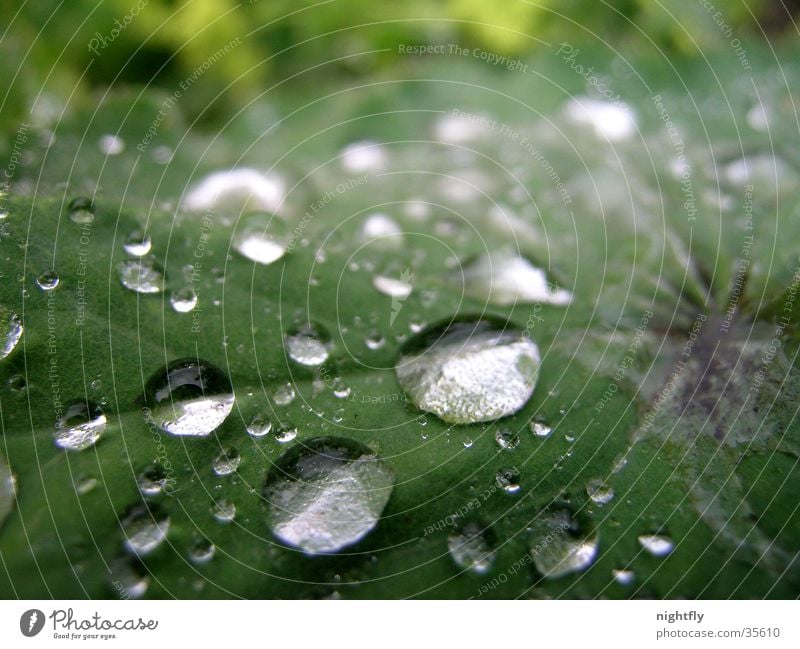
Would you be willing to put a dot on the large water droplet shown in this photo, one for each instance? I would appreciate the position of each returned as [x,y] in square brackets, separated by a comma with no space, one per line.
[189,397]
[309,344]
[10,331]
[80,426]
[145,529]
[137,244]
[656,544]
[227,462]
[326,494]
[7,491]
[261,237]
[472,548]
[504,278]
[469,371]
[558,545]
[143,275]
[81,210]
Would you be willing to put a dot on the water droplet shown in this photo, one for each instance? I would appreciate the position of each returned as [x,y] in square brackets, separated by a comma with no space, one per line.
[202,551]
[137,244]
[558,546]
[391,286]
[504,278]
[189,397]
[152,480]
[262,237]
[143,275]
[259,426]
[374,340]
[382,229]
[326,494]
[80,426]
[224,511]
[506,439]
[236,192]
[340,390]
[48,280]
[145,529]
[17,383]
[471,548]
[111,144]
[7,490]
[656,544]
[599,492]
[183,300]
[10,331]
[85,484]
[468,442]
[284,394]
[128,580]
[308,345]
[612,121]
[366,155]
[285,434]
[540,429]
[227,462]
[81,210]
[623,577]
[508,479]
[467,372]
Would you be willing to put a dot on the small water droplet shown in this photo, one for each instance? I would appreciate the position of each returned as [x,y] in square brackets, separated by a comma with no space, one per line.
[84,484]
[391,286]
[128,580]
[262,237]
[326,494]
[48,280]
[137,244]
[308,345]
[508,479]
[558,545]
[259,426]
[284,394]
[382,230]
[540,429]
[468,442]
[202,551]
[285,434]
[111,144]
[189,397]
[374,340]
[145,529]
[656,544]
[362,156]
[17,383]
[7,490]
[506,439]
[469,371]
[183,300]
[80,426]
[152,480]
[612,121]
[472,548]
[10,331]
[227,462]
[599,492]
[81,210]
[224,511]
[623,577]
[142,275]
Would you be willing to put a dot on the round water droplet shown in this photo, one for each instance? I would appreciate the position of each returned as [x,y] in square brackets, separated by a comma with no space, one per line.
[143,275]
[111,144]
[468,442]
[540,429]
[612,121]
[183,300]
[85,484]
[284,435]
[80,426]
[137,244]
[506,439]
[623,577]
[48,280]
[7,490]
[392,286]
[284,394]
[144,528]
[202,551]
[599,492]
[383,230]
[469,371]
[656,544]
[508,479]
[10,331]
[128,580]
[558,546]
[81,210]
[326,494]
[340,390]
[153,480]
[259,426]
[262,237]
[189,397]
[17,383]
[224,511]
[227,462]
[366,155]
[374,340]
[308,345]
[472,548]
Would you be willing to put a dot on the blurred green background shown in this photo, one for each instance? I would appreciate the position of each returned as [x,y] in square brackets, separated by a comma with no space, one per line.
[48,60]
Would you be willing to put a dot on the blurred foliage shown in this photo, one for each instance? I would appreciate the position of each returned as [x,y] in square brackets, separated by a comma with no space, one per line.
[163,42]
